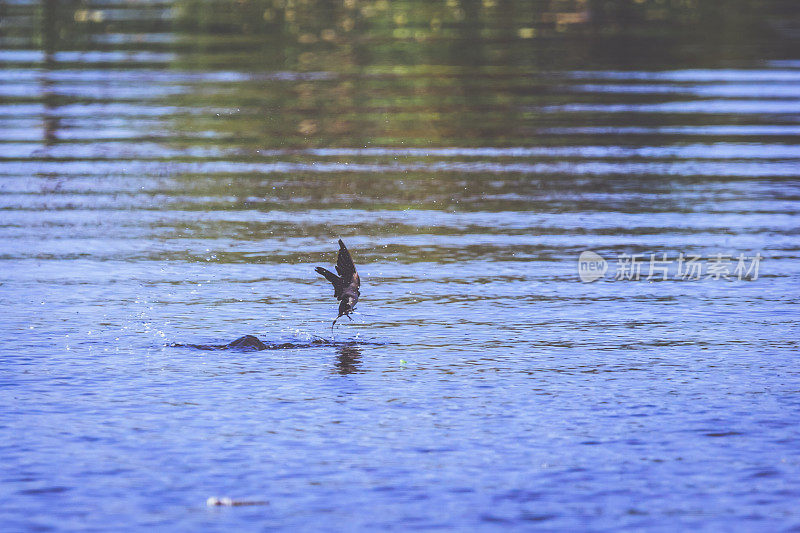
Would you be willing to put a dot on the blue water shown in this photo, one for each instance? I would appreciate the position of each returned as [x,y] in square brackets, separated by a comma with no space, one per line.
[167,180]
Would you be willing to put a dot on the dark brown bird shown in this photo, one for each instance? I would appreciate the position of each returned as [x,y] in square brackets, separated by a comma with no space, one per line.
[346,284]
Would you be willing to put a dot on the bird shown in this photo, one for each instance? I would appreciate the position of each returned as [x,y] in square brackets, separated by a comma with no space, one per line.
[346,284]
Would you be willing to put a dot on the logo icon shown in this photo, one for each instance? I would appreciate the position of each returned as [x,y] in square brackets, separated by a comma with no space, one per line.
[591,266]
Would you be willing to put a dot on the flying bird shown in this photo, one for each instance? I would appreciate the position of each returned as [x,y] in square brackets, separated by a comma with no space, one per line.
[346,284]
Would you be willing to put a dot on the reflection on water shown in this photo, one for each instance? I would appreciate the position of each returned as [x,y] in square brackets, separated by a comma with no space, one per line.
[172,171]
[348,359]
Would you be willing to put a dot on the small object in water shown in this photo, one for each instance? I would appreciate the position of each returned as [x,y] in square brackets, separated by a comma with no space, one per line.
[346,284]
[248,341]
[228,502]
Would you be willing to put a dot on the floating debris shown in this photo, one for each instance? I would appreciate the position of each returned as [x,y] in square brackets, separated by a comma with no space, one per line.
[228,502]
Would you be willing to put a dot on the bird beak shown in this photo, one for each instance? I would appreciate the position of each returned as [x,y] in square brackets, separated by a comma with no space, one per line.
[334,322]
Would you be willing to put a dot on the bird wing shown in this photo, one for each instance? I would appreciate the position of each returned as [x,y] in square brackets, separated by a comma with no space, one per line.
[338,285]
[344,264]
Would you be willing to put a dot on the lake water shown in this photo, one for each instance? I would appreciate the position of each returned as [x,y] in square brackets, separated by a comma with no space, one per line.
[173,172]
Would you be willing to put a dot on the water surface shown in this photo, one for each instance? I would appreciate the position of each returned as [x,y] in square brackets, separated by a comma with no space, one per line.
[172,172]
